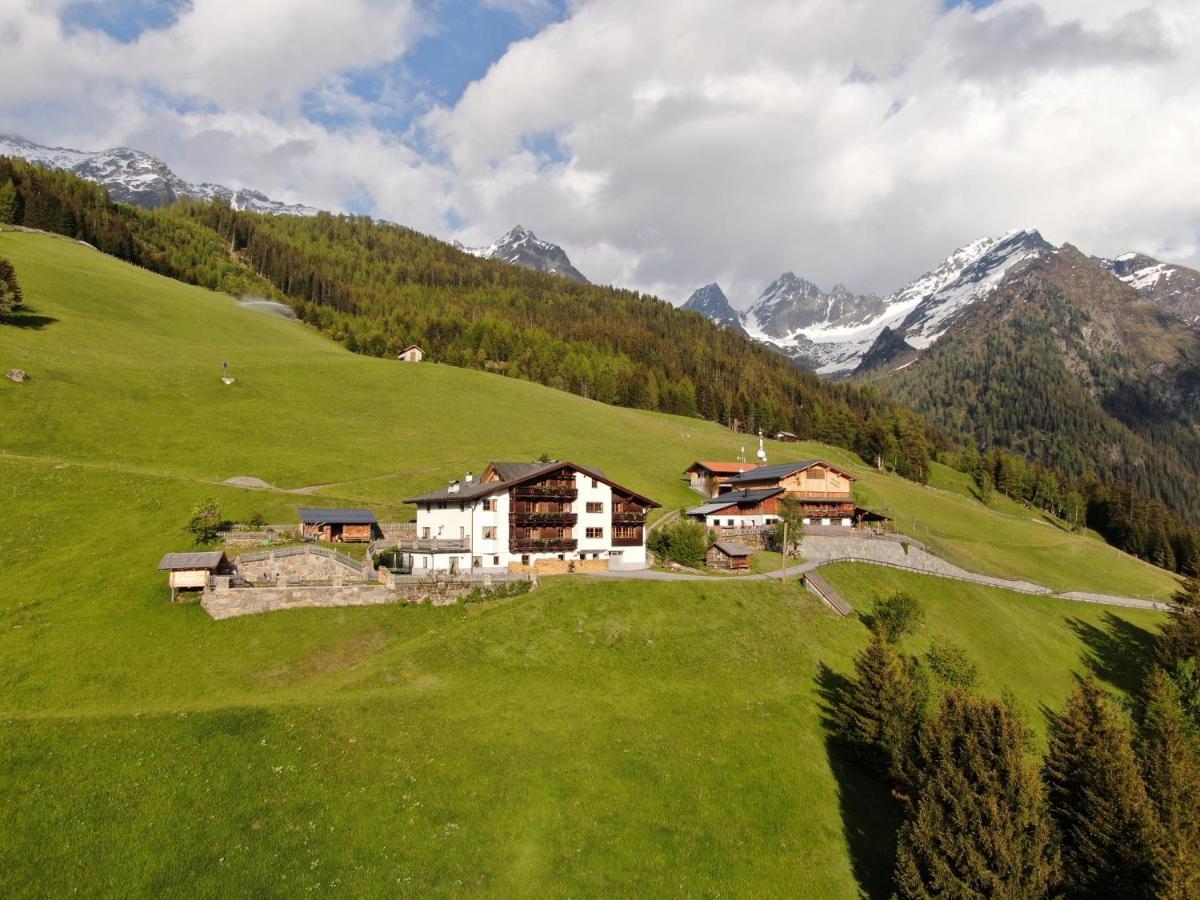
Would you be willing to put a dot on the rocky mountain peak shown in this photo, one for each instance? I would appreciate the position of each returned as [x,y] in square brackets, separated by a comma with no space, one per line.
[521,247]
[139,179]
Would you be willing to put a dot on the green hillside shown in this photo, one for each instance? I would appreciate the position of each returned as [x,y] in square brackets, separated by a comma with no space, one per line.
[594,737]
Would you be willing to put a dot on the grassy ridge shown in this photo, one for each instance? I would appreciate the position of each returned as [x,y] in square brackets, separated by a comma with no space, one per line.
[590,738]
[128,375]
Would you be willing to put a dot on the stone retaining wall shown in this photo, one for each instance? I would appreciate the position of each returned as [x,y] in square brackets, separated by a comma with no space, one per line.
[224,602]
[815,548]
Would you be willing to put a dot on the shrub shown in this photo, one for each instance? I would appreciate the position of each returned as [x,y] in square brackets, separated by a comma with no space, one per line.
[685,542]
[256,521]
[898,615]
[206,521]
[951,665]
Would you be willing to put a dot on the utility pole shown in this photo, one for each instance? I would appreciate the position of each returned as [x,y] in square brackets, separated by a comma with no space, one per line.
[784,548]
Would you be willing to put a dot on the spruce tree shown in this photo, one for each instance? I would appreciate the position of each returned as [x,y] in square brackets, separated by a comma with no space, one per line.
[1104,819]
[1178,648]
[10,291]
[880,708]
[1168,755]
[978,826]
[8,203]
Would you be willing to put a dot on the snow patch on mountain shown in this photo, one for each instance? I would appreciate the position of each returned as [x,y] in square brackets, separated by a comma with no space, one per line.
[521,247]
[140,179]
[833,331]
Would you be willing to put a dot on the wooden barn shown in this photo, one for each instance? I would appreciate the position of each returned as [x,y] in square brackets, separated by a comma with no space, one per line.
[731,555]
[191,571]
[337,526]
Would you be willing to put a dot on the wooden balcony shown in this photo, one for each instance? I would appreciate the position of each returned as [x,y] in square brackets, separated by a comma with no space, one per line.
[629,518]
[542,545]
[627,541]
[546,490]
[540,519]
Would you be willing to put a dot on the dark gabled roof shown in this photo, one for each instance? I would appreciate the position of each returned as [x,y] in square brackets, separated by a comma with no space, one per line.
[783,470]
[211,559]
[517,471]
[514,473]
[733,548]
[317,516]
[741,498]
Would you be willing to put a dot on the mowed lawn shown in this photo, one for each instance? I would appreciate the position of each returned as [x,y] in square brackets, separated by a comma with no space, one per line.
[592,738]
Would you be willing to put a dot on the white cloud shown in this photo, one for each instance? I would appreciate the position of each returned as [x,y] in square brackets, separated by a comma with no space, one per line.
[689,140]
[849,141]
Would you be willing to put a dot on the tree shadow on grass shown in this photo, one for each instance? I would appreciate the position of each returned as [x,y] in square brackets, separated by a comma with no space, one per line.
[1117,651]
[871,816]
[26,318]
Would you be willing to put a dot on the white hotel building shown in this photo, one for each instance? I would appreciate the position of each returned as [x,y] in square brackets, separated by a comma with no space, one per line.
[553,515]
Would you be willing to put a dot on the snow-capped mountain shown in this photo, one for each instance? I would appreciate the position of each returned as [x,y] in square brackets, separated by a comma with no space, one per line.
[832,331]
[140,179]
[1174,289]
[710,301]
[521,247]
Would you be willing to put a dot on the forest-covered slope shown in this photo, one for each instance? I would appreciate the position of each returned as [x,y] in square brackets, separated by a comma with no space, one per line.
[378,287]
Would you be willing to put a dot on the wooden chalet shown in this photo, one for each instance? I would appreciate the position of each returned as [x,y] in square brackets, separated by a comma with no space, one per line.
[710,477]
[731,555]
[411,353]
[823,489]
[338,525]
[739,510]
[192,571]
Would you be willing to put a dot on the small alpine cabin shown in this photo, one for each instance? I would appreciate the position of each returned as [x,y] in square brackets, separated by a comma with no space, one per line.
[411,353]
[337,526]
[730,555]
[192,571]
[710,478]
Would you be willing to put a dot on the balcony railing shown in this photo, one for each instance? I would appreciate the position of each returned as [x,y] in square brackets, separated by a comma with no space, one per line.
[566,519]
[559,490]
[629,518]
[542,545]
[627,541]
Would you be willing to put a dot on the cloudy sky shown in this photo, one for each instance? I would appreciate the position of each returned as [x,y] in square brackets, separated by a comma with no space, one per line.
[664,144]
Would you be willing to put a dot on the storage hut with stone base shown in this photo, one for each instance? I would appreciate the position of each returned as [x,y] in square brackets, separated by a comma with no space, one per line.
[731,555]
[339,525]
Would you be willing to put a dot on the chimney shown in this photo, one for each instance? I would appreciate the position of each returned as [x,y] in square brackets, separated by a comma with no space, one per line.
[452,488]
[470,479]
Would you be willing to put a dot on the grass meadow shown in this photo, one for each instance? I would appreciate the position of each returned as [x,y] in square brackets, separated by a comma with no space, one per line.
[595,737]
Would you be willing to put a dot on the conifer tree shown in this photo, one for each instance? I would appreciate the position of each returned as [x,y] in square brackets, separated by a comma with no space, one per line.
[1167,751]
[1178,648]
[8,202]
[10,291]
[880,708]
[1104,819]
[978,826]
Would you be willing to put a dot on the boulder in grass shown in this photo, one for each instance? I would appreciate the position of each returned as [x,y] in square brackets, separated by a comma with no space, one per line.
[18,375]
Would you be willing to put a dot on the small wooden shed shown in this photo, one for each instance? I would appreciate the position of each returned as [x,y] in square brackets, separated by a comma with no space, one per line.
[786,437]
[411,353]
[191,571]
[731,555]
[339,525]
